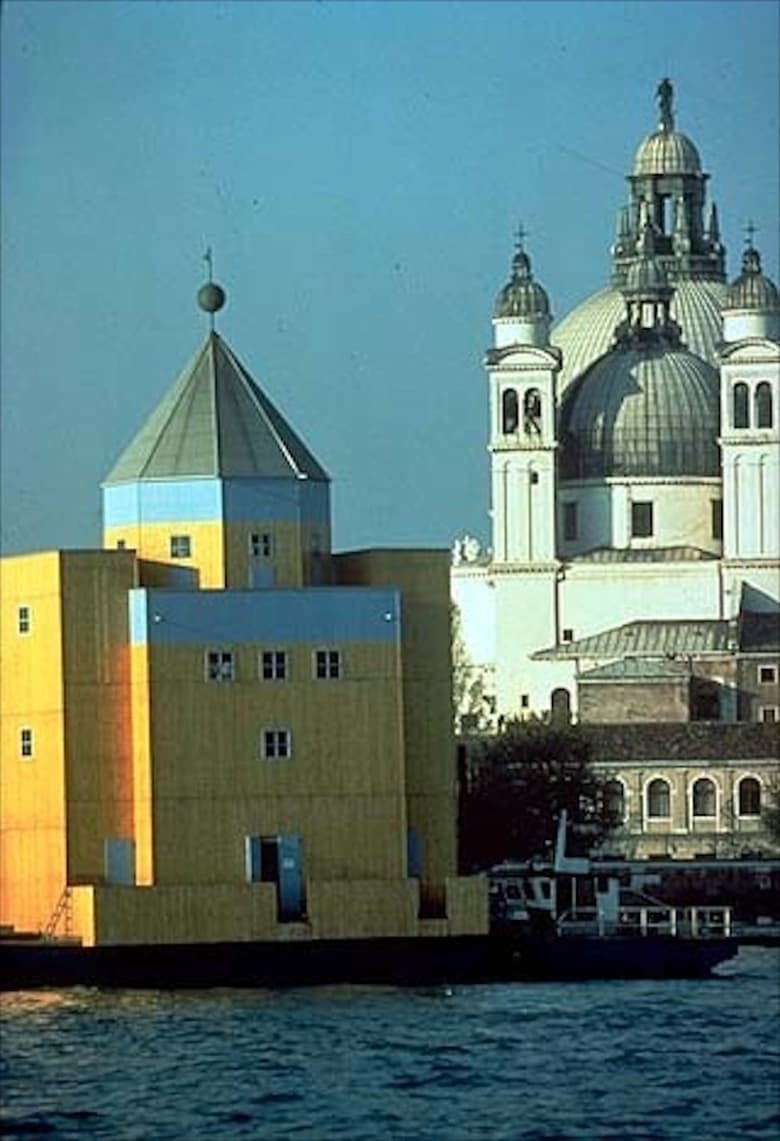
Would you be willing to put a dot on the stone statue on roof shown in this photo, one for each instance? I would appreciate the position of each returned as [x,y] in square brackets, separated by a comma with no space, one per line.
[664,95]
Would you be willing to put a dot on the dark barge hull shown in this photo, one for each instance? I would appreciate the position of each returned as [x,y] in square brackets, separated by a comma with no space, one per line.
[417,961]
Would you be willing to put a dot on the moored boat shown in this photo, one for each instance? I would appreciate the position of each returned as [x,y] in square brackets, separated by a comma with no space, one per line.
[566,918]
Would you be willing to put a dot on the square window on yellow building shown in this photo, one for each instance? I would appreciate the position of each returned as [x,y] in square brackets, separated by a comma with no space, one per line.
[276,744]
[220,665]
[23,619]
[327,663]
[261,545]
[26,743]
[181,547]
[273,665]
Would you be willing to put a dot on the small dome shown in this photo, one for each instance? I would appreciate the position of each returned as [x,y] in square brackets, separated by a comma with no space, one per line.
[666,152]
[752,290]
[647,275]
[522,296]
[642,412]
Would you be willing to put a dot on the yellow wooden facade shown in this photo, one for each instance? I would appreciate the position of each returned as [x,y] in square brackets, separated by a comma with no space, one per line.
[131,743]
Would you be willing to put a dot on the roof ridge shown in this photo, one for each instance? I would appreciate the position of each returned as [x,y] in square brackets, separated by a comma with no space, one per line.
[253,391]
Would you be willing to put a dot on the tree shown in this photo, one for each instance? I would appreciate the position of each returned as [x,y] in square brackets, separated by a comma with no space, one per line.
[770,817]
[468,687]
[515,787]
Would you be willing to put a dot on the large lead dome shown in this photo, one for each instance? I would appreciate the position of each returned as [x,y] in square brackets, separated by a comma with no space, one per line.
[648,407]
[667,181]
[641,413]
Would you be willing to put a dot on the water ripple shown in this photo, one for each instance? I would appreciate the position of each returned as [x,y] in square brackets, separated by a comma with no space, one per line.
[610,1061]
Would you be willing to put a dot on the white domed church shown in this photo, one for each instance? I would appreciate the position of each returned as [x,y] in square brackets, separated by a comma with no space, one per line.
[635,499]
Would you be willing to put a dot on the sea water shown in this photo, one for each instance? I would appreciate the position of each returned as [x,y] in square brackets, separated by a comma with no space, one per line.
[631,1060]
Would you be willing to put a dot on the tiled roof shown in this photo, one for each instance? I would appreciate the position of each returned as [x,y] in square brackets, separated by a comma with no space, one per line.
[759,633]
[637,669]
[215,421]
[640,555]
[649,743]
[648,638]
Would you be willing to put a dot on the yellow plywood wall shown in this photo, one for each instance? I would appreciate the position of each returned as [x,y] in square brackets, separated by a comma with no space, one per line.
[185,914]
[98,726]
[423,578]
[291,562]
[32,796]
[220,551]
[342,789]
[152,542]
[363,909]
[143,816]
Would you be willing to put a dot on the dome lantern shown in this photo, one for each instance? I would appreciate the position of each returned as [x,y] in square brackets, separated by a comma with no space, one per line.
[752,304]
[521,315]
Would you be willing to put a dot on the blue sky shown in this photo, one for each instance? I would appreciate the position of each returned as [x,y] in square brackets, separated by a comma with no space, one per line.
[359,170]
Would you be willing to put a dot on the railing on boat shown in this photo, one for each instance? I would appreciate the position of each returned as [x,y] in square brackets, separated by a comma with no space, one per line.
[685,922]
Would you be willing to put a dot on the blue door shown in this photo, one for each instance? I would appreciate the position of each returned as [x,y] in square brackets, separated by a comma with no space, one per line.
[118,860]
[413,855]
[290,881]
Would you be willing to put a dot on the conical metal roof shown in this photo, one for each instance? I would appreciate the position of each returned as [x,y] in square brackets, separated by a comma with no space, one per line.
[215,421]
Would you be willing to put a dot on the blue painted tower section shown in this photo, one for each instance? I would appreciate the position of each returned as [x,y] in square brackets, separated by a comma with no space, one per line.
[216,500]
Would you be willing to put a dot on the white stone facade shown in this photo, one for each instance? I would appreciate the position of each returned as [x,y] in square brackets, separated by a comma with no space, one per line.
[695,533]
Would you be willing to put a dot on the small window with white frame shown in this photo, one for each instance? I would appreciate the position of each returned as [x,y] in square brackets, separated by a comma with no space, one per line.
[769,714]
[220,665]
[276,744]
[26,744]
[327,664]
[261,544]
[181,547]
[767,675]
[23,620]
[273,665]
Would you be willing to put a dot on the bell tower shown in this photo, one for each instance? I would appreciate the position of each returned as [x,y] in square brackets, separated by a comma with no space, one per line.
[522,368]
[750,431]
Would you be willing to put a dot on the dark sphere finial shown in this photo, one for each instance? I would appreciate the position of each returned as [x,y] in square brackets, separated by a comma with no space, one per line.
[211,297]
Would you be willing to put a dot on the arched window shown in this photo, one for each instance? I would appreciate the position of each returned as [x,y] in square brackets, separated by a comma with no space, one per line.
[764,405]
[749,797]
[615,801]
[704,797]
[532,410]
[659,799]
[509,411]
[741,409]
[560,706]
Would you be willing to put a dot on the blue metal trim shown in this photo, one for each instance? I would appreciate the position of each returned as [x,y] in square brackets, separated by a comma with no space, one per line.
[162,501]
[331,615]
[276,500]
[212,500]
[138,614]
